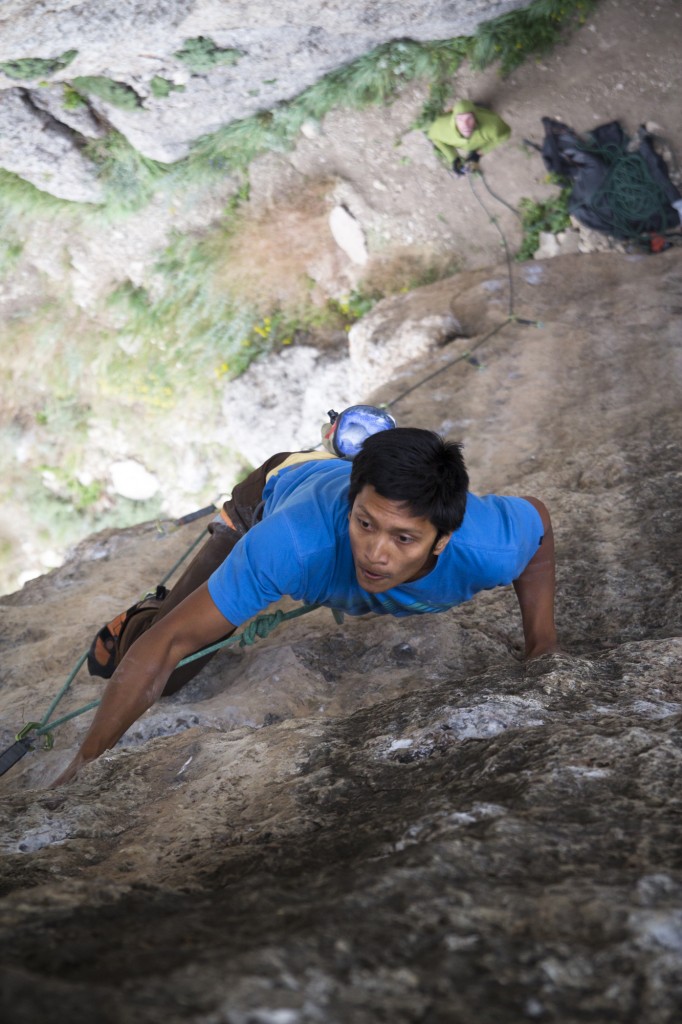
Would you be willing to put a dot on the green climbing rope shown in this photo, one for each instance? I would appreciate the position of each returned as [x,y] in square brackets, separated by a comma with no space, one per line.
[630,193]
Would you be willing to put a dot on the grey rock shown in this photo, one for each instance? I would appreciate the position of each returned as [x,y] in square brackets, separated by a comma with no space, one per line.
[393,819]
[44,151]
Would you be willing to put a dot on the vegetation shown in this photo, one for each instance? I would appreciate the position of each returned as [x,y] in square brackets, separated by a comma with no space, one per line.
[130,179]
[530,31]
[546,215]
[201,54]
[27,68]
[116,93]
[161,87]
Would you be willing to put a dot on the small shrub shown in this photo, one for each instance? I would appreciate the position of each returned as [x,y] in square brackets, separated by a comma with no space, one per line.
[27,68]
[201,54]
[546,215]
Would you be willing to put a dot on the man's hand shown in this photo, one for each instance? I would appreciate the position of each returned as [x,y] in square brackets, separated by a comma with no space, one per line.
[143,673]
[69,773]
[535,592]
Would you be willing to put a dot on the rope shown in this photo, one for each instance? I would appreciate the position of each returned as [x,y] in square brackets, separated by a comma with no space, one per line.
[511,318]
[629,191]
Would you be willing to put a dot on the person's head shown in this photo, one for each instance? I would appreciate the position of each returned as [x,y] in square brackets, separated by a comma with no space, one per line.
[465,119]
[407,496]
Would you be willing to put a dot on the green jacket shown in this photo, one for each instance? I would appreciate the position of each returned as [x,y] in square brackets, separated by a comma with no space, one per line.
[489,132]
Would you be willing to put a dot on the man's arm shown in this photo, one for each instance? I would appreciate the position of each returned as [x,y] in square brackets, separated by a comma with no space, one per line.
[143,673]
[535,592]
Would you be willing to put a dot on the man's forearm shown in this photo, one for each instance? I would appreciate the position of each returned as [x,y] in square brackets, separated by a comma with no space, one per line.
[139,680]
[136,684]
[535,592]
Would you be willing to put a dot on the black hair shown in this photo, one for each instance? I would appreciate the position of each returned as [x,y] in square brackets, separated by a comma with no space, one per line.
[417,468]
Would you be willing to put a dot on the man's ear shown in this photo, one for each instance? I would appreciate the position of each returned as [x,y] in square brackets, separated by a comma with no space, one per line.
[439,546]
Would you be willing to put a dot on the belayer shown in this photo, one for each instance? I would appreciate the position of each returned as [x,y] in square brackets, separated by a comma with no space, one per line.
[384,523]
[466,133]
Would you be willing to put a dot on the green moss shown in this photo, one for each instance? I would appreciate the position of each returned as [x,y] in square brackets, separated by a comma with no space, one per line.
[201,54]
[162,87]
[27,68]
[116,93]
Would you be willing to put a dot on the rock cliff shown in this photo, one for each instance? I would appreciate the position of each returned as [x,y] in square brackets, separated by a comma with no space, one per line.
[165,74]
[394,820]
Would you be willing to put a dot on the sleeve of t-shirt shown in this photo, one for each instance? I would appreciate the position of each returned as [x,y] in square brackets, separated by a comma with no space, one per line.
[504,535]
[262,568]
[525,532]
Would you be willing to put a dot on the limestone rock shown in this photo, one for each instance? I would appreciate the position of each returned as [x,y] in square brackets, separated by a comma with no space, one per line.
[44,151]
[281,407]
[392,819]
[387,339]
[131,480]
[348,235]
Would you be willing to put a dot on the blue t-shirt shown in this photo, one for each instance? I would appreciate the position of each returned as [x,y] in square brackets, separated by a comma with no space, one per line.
[302,548]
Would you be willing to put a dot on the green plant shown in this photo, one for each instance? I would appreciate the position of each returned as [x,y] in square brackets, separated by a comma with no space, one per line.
[545,215]
[201,54]
[118,94]
[27,68]
[161,87]
[72,100]
[354,306]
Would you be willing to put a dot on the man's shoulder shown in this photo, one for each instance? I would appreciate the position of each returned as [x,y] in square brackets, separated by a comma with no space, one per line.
[494,519]
[310,503]
[443,125]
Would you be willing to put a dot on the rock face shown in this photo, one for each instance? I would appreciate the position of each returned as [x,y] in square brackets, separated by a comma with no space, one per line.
[166,73]
[395,819]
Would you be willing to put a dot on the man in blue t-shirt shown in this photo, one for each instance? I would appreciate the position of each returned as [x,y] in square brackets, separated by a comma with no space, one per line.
[394,532]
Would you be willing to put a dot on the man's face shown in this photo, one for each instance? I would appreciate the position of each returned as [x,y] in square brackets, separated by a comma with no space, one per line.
[390,546]
[465,124]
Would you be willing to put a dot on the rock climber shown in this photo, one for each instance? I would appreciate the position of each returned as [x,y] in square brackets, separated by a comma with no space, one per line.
[392,530]
[466,133]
